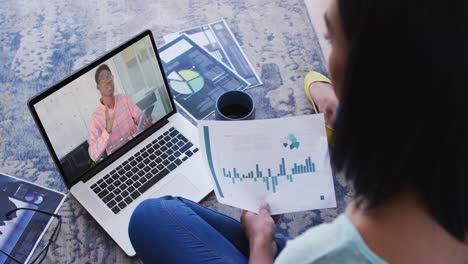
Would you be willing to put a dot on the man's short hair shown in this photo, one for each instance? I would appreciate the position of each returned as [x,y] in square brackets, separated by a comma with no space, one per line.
[99,70]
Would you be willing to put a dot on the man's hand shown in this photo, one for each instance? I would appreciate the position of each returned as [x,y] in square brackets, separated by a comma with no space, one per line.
[148,122]
[109,120]
[260,231]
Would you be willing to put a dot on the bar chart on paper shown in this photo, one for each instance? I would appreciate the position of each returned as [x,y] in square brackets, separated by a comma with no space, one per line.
[288,169]
[271,179]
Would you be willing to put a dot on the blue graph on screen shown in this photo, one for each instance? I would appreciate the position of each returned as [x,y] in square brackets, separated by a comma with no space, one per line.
[267,176]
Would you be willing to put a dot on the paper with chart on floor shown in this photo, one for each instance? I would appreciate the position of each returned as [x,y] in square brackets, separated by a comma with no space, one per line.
[284,162]
[218,39]
[20,233]
[195,77]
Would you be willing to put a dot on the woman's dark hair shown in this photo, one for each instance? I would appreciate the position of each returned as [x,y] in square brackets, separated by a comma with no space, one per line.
[401,122]
[99,70]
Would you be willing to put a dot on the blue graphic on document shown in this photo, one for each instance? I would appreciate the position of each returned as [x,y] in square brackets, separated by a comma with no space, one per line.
[186,81]
[291,142]
[259,174]
[307,167]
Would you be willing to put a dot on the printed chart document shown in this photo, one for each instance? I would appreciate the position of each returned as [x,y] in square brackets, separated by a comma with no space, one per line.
[284,162]
[195,77]
[21,233]
[218,39]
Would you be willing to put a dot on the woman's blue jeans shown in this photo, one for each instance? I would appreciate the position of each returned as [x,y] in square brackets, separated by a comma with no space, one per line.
[177,230]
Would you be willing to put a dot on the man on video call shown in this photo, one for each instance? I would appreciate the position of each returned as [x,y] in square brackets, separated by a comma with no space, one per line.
[116,119]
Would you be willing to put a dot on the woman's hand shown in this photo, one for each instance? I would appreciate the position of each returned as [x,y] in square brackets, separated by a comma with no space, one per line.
[326,101]
[260,231]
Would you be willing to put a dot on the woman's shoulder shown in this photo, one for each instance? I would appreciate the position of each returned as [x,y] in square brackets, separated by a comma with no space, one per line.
[337,242]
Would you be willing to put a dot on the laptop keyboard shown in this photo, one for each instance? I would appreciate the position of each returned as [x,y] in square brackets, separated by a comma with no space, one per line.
[141,171]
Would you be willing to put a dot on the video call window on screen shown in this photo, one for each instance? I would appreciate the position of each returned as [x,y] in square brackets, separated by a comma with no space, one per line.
[102,110]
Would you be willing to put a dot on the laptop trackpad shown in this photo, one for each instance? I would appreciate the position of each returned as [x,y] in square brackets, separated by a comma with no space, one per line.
[178,186]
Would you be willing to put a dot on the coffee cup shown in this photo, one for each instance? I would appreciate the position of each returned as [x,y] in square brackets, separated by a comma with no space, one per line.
[235,105]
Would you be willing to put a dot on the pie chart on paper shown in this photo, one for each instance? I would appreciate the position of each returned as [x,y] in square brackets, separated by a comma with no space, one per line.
[186,81]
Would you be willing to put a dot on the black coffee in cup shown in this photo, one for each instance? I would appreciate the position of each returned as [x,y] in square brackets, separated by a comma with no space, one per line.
[235,105]
[235,111]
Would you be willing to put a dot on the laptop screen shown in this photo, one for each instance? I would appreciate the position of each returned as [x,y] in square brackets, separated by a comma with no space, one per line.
[105,108]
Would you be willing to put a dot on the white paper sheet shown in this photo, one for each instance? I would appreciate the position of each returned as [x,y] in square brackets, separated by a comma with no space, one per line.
[21,234]
[284,162]
[219,40]
[204,77]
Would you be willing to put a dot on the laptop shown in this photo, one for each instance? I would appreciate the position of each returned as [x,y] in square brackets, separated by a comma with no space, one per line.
[111,153]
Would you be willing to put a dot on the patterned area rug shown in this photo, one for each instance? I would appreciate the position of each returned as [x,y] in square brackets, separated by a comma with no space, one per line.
[44,41]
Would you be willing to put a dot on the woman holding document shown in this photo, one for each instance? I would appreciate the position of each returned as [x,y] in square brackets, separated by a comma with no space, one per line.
[399,71]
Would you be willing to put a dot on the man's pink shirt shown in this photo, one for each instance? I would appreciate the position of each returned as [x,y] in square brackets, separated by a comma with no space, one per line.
[127,117]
